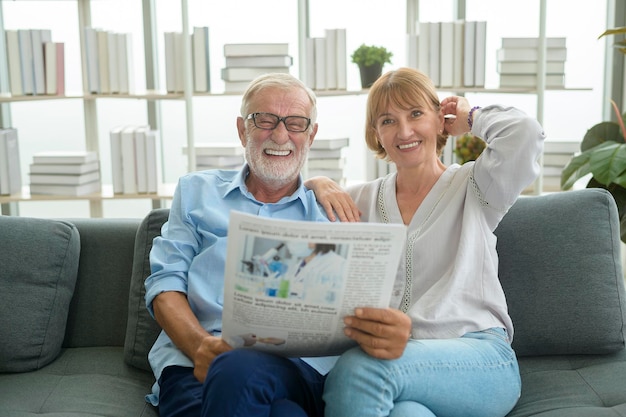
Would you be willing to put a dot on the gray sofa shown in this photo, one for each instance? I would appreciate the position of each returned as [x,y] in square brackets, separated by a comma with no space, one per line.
[74,332]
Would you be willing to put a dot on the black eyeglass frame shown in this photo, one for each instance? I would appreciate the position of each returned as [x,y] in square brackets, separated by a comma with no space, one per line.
[279,119]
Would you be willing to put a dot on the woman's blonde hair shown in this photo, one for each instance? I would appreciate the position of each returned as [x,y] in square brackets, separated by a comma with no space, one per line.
[405,88]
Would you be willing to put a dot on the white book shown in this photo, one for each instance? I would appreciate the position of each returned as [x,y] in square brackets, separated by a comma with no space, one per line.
[64,157]
[320,63]
[530,80]
[201,65]
[114,79]
[529,67]
[5,187]
[561,146]
[13,56]
[249,74]
[50,61]
[331,58]
[103,61]
[423,54]
[129,161]
[557,159]
[11,151]
[330,143]
[459,31]
[170,62]
[236,86]
[217,149]
[245,49]
[219,161]
[26,60]
[342,59]
[480,54]
[259,61]
[152,162]
[309,71]
[91,60]
[434,52]
[141,159]
[446,54]
[66,190]
[551,42]
[530,54]
[38,38]
[117,169]
[335,174]
[65,179]
[125,64]
[325,153]
[469,44]
[329,163]
[68,169]
[179,63]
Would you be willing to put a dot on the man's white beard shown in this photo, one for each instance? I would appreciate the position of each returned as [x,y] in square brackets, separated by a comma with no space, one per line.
[280,172]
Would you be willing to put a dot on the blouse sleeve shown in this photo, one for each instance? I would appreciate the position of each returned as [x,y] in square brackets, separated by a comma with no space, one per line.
[509,163]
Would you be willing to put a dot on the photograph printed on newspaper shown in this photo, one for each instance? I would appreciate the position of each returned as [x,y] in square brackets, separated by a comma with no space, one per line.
[288,284]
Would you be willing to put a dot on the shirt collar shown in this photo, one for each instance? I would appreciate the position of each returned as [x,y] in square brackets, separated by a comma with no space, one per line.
[239,182]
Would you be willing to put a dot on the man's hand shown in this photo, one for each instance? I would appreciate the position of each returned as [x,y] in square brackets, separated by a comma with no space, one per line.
[209,349]
[381,332]
[334,199]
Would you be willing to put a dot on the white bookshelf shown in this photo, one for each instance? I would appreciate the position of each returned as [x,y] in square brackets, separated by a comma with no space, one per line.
[154,97]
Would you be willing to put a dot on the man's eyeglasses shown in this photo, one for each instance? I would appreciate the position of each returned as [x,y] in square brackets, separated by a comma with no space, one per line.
[269,121]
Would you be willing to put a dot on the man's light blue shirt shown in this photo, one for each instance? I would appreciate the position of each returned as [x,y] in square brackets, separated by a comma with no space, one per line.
[190,254]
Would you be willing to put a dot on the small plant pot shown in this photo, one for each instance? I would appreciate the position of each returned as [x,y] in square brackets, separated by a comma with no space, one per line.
[370,74]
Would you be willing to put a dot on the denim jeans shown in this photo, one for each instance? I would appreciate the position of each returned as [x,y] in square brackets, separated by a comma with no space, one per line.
[474,375]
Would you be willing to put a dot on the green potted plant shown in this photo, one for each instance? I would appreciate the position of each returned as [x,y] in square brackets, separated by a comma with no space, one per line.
[468,147]
[371,59]
[603,154]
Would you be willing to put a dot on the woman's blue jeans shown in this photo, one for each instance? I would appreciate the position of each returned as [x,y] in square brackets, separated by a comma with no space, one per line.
[474,375]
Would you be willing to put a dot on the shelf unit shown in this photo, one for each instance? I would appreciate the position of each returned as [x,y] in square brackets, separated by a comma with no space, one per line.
[153,97]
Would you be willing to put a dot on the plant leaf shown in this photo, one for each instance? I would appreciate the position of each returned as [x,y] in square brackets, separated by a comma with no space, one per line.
[608,161]
[575,169]
[600,133]
[615,31]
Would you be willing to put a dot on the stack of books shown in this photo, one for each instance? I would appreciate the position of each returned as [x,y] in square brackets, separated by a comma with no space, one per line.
[326,60]
[175,62]
[36,63]
[109,62]
[218,155]
[451,53]
[518,64]
[246,61]
[134,165]
[68,173]
[557,154]
[326,159]
[10,171]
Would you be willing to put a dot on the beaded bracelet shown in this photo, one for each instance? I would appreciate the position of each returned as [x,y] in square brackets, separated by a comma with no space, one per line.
[470,116]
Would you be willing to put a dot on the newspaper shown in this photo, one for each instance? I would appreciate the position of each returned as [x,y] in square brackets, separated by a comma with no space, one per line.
[288,284]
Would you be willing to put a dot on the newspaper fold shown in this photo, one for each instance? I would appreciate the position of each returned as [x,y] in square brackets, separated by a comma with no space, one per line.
[288,284]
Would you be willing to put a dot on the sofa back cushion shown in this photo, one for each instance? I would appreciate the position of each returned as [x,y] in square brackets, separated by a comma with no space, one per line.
[560,267]
[141,329]
[99,308]
[39,259]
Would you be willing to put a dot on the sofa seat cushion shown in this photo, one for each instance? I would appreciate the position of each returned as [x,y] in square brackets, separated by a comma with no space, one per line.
[573,386]
[39,260]
[81,381]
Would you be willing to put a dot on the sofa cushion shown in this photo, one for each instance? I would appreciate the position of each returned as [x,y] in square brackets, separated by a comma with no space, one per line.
[578,233]
[37,279]
[141,329]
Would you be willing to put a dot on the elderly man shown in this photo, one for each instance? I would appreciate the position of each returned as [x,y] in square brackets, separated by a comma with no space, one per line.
[198,373]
